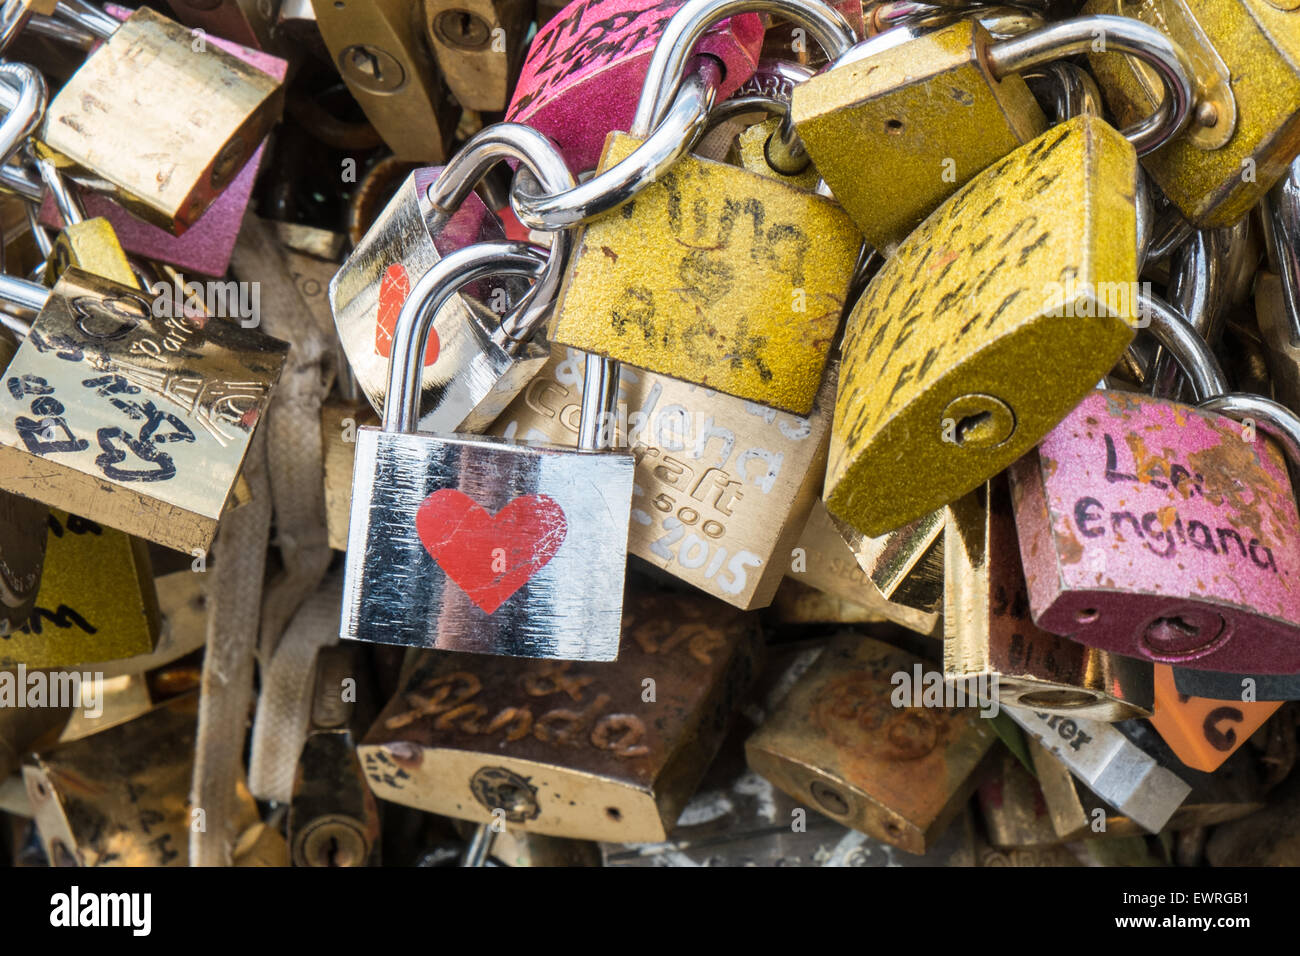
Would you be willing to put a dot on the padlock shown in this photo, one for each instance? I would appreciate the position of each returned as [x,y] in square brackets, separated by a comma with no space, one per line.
[580,78]
[1162,531]
[1236,687]
[590,751]
[121,797]
[829,564]
[333,817]
[1277,291]
[722,485]
[479,45]
[853,742]
[247,22]
[170,403]
[1245,131]
[1012,806]
[1201,732]
[931,415]
[905,565]
[1116,770]
[339,421]
[205,114]
[482,350]
[935,109]
[128,696]
[989,635]
[1078,813]
[96,601]
[90,245]
[548,553]
[182,630]
[378,47]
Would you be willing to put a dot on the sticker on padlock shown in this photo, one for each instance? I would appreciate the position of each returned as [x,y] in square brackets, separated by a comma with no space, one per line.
[988,632]
[1245,130]
[1203,733]
[722,485]
[583,71]
[933,399]
[480,544]
[96,132]
[96,602]
[135,421]
[934,109]
[592,751]
[841,741]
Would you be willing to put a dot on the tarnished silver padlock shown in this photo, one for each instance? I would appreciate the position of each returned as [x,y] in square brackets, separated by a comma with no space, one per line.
[479,544]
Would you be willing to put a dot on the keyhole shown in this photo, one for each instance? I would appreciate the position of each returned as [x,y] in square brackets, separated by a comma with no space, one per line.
[1184,636]
[366,62]
[893,126]
[971,424]
[460,28]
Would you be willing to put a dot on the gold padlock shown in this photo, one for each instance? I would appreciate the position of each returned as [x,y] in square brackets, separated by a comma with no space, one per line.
[206,113]
[1245,129]
[722,486]
[1032,264]
[133,420]
[480,46]
[87,244]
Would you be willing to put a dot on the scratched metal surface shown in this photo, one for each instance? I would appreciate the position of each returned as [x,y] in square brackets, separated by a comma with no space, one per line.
[567,606]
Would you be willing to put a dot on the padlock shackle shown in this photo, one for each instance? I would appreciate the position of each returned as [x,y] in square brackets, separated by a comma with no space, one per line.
[1071,88]
[1273,418]
[70,208]
[88,16]
[682,127]
[597,423]
[22,294]
[23,97]
[537,155]
[433,290]
[1280,212]
[667,69]
[746,100]
[1000,21]
[1172,330]
[1120,35]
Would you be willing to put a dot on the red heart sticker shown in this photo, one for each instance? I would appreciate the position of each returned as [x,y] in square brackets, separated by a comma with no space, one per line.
[490,556]
[393,290]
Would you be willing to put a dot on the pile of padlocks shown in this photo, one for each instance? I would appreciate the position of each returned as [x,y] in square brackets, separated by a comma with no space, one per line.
[780,432]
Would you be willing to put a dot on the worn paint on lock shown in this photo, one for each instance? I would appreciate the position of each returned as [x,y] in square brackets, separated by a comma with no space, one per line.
[1203,732]
[988,629]
[898,132]
[722,485]
[467,379]
[1030,268]
[583,73]
[133,421]
[1252,45]
[564,748]
[1158,531]
[899,774]
[207,112]
[96,601]
[713,275]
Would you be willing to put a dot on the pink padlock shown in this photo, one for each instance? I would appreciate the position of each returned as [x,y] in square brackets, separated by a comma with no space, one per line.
[1157,530]
[206,246]
[582,77]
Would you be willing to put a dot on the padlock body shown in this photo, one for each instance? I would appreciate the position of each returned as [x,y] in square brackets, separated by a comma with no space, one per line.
[130,419]
[898,132]
[715,275]
[479,45]
[208,112]
[467,379]
[583,73]
[722,485]
[1205,732]
[1154,530]
[1031,266]
[488,546]
[1245,128]
[90,245]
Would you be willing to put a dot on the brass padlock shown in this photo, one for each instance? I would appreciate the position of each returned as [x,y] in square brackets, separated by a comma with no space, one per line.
[905,565]
[935,109]
[1245,130]
[132,420]
[479,45]
[592,751]
[722,485]
[988,633]
[1033,262]
[849,739]
[96,601]
[206,113]
[378,47]
[90,245]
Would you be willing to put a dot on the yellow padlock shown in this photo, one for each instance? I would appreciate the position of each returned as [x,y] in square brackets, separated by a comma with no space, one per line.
[1032,265]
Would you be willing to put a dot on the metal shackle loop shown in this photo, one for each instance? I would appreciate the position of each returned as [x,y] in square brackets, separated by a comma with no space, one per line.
[1121,35]
[430,294]
[824,23]
[88,16]
[1281,216]
[24,106]
[1202,370]
[681,129]
[536,153]
[597,421]
[1273,418]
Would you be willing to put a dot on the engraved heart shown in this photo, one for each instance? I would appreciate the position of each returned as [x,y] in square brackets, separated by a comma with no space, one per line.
[490,556]
[393,290]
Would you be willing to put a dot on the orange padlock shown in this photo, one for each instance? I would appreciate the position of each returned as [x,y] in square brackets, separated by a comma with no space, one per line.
[1204,732]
